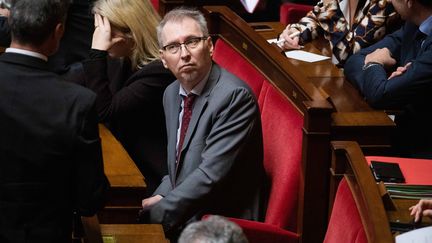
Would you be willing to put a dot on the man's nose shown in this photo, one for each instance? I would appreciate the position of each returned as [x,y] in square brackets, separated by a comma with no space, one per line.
[184,51]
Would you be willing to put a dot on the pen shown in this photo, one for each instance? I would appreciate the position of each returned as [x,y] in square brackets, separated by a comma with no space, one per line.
[295,34]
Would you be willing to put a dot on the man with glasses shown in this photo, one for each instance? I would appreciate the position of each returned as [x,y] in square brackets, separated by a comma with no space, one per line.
[214,132]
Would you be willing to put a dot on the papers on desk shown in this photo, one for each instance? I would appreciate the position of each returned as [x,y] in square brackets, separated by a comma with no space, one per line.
[302,55]
[422,235]
[305,56]
[401,190]
[249,5]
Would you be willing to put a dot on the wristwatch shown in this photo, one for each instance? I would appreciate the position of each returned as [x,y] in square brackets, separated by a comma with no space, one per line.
[370,64]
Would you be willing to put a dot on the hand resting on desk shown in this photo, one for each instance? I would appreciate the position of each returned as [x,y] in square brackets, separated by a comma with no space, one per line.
[289,39]
[422,208]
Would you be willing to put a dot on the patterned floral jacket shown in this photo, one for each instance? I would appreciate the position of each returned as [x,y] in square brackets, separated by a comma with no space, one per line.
[372,21]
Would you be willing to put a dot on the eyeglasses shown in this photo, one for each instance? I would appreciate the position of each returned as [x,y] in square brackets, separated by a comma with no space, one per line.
[189,44]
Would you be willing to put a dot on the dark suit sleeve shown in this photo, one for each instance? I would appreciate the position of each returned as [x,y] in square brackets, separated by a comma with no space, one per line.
[373,82]
[232,126]
[135,95]
[91,184]
[399,91]
[5,37]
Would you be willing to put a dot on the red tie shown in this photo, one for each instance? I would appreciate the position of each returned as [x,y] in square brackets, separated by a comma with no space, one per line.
[187,114]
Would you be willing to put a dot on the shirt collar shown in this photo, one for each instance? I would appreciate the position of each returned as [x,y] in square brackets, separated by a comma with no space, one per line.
[199,87]
[27,53]
[426,26]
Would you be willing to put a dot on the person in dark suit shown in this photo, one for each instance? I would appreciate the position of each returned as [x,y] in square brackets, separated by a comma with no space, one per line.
[76,41]
[396,73]
[214,132]
[125,71]
[51,160]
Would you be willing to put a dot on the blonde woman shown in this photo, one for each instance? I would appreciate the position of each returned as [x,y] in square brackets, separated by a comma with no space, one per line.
[125,71]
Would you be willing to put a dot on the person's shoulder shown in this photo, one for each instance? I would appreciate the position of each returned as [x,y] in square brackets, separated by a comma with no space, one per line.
[154,72]
[231,81]
[73,93]
[155,66]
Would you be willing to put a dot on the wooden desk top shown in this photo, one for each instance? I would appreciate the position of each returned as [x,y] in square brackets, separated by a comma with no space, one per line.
[351,111]
[311,70]
[133,233]
[119,167]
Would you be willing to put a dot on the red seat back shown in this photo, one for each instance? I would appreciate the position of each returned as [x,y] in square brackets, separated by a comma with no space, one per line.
[345,223]
[155,4]
[292,12]
[282,137]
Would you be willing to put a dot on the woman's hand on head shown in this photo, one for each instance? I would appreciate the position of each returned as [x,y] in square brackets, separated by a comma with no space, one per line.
[102,38]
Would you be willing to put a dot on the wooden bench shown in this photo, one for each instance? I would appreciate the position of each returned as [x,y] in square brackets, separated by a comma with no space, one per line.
[321,106]
[127,182]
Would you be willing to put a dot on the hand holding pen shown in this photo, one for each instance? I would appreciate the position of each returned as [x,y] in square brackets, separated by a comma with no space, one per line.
[289,39]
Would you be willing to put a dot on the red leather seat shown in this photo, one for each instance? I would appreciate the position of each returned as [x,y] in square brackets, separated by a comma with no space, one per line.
[282,141]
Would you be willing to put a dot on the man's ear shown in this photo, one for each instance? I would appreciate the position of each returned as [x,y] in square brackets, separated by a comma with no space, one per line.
[161,55]
[59,31]
[409,3]
[210,45]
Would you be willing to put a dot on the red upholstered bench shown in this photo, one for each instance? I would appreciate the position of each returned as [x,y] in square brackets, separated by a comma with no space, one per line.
[282,139]
[293,12]
[345,223]
[358,214]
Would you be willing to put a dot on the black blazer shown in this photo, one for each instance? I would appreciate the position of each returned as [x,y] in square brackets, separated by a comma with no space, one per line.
[131,104]
[50,152]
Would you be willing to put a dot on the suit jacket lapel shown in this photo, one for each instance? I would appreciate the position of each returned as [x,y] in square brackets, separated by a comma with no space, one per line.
[201,103]
[172,122]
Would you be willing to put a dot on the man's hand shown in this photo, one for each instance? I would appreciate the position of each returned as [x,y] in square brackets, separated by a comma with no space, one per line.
[149,202]
[422,208]
[381,55]
[102,39]
[399,71]
[289,39]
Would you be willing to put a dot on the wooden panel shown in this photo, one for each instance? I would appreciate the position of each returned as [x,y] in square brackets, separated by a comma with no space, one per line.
[133,233]
[119,167]
[127,182]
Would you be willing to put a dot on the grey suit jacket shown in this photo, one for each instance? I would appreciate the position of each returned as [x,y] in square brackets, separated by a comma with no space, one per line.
[221,169]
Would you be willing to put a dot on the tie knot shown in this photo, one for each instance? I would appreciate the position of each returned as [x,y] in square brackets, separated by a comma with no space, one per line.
[188,100]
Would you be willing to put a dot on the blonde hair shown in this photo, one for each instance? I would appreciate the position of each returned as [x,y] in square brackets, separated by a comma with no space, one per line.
[136,19]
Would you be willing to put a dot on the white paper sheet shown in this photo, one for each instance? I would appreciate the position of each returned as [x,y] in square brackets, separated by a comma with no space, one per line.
[301,55]
[305,56]
[422,235]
